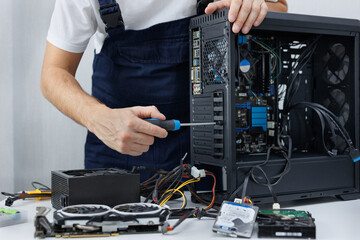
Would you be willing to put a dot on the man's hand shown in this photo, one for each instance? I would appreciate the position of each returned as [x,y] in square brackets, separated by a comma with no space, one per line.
[243,13]
[120,129]
[124,130]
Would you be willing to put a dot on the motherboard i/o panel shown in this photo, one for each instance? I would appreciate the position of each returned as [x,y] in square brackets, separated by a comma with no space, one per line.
[285,99]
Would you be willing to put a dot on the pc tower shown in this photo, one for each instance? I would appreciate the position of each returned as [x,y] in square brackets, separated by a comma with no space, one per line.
[285,98]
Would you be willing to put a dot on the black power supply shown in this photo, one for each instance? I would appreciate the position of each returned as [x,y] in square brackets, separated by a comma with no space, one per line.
[109,186]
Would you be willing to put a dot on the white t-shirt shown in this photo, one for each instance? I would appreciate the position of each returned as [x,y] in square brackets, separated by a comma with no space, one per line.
[74,22]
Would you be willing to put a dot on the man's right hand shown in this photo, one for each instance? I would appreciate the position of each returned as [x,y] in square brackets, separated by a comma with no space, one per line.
[120,129]
[123,130]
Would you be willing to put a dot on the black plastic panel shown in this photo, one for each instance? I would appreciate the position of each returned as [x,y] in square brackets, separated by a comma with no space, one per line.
[245,102]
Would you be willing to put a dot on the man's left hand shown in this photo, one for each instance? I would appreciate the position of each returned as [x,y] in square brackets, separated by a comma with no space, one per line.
[243,13]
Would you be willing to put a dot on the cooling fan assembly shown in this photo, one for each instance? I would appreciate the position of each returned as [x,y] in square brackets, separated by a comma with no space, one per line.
[336,64]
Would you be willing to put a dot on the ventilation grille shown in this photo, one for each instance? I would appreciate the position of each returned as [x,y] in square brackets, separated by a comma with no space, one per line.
[215,62]
[59,189]
[207,18]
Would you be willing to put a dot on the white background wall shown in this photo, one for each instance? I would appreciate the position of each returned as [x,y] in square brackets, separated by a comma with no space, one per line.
[332,8]
[35,138]
[6,103]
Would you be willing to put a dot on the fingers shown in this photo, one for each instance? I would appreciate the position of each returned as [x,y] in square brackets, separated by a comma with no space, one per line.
[150,129]
[148,112]
[243,13]
[264,10]
[125,131]
[234,9]
[141,138]
[255,11]
[132,149]
[133,144]
[135,137]
[139,126]
[242,16]
[142,126]
[212,7]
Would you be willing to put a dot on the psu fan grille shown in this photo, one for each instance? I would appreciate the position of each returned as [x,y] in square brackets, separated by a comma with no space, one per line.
[59,190]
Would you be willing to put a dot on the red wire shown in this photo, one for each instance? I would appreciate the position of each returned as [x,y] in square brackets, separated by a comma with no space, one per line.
[213,190]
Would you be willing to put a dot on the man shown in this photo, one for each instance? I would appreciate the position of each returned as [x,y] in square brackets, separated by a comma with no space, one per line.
[140,72]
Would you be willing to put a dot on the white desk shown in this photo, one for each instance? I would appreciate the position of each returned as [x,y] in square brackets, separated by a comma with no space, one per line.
[334,220]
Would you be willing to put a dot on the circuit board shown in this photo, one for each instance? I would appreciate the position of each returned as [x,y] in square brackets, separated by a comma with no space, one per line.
[286,224]
[255,94]
[285,213]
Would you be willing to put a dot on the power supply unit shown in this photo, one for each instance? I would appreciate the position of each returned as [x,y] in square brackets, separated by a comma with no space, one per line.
[107,186]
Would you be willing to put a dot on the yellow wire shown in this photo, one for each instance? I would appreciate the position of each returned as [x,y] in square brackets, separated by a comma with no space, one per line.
[248,199]
[188,182]
[274,65]
[178,189]
[182,194]
[255,95]
[212,201]
[269,51]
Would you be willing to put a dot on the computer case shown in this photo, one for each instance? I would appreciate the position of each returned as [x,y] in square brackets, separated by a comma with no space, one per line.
[241,82]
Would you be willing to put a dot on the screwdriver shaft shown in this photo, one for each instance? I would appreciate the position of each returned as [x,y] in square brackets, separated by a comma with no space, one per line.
[197,124]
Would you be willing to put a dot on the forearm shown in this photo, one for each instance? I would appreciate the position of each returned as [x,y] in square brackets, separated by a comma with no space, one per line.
[62,89]
[120,129]
[280,6]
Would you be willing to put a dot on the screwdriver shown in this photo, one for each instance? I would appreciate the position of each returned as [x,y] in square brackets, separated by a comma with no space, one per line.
[174,125]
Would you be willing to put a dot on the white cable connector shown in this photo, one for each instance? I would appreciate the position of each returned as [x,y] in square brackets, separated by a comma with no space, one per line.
[238,200]
[196,173]
[276,206]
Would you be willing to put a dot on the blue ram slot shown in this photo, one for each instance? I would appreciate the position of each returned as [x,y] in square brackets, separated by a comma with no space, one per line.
[242,39]
[272,90]
[242,129]
[243,105]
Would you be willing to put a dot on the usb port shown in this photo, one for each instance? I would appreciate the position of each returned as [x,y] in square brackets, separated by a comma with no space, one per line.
[196,62]
[196,43]
[197,53]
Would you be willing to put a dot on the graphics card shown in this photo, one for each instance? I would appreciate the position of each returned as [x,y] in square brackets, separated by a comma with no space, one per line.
[101,220]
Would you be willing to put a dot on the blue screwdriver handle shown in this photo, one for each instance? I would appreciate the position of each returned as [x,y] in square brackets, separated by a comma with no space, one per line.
[168,125]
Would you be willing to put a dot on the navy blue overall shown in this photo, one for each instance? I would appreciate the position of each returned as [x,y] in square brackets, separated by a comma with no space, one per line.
[143,68]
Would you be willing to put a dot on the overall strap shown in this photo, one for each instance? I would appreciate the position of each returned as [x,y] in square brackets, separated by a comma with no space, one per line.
[111,14]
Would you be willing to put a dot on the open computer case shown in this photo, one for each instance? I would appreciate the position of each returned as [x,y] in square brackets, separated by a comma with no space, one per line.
[289,87]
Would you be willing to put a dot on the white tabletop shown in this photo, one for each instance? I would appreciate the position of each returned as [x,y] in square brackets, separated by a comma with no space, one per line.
[334,220]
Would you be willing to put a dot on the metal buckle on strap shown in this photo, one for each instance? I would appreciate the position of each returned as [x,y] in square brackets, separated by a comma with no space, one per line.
[114,19]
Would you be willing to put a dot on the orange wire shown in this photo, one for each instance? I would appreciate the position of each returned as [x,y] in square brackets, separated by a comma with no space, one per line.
[213,190]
